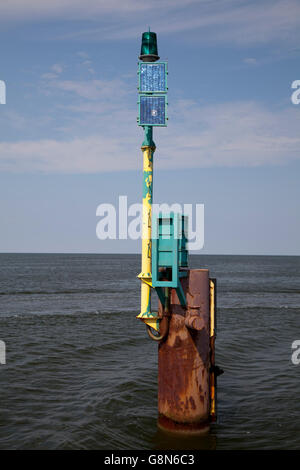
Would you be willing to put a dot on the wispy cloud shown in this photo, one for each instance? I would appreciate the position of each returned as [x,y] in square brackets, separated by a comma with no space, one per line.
[76,9]
[250,61]
[233,134]
[234,21]
[57,68]
[240,22]
[55,71]
[86,155]
[92,89]
[229,134]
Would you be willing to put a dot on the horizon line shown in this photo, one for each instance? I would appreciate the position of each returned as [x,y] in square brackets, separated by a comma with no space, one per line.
[97,253]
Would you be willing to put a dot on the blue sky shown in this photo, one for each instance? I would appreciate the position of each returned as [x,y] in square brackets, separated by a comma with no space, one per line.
[69,139]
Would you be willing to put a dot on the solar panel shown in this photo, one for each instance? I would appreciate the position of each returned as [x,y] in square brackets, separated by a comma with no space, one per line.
[153,77]
[152,110]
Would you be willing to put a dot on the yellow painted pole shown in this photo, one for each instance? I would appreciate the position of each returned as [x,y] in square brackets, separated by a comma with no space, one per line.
[148,149]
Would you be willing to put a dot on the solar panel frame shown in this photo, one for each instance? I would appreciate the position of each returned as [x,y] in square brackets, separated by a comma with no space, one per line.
[145,87]
[146,117]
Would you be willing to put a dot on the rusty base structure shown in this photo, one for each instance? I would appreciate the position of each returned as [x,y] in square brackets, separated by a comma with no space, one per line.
[167,425]
[186,382]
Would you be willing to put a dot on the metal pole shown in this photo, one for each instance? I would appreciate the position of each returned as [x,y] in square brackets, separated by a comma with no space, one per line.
[148,149]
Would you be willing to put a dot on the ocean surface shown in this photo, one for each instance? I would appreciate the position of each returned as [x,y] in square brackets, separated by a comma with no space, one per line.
[81,371]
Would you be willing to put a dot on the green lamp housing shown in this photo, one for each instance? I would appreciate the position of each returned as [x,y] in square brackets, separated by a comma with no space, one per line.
[149,47]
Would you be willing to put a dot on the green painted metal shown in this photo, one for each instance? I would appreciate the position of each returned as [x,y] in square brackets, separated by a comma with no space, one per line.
[147,186]
[148,140]
[169,251]
[149,45]
[161,295]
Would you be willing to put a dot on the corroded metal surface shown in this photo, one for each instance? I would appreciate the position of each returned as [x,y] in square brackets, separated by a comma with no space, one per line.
[184,359]
[212,378]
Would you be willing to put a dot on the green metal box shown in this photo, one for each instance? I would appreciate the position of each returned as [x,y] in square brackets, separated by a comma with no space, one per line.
[169,247]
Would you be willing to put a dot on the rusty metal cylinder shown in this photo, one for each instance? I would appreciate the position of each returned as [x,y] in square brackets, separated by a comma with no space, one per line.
[184,359]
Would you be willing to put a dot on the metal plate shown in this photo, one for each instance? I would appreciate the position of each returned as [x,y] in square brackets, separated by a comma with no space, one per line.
[153,77]
[152,110]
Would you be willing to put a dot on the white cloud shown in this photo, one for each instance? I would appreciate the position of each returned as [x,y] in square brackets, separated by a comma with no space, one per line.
[230,134]
[214,21]
[86,155]
[76,9]
[83,54]
[49,76]
[55,71]
[235,21]
[94,90]
[250,61]
[234,134]
[57,68]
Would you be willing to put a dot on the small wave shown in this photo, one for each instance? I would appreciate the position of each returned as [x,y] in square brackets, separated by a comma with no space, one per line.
[259,307]
[78,313]
[258,290]
[61,292]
